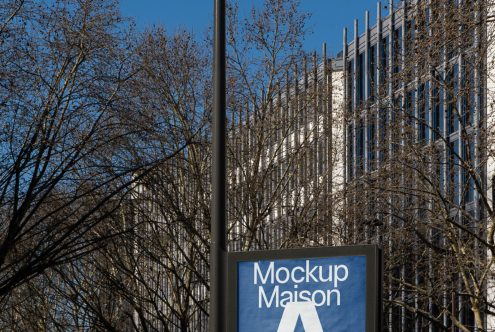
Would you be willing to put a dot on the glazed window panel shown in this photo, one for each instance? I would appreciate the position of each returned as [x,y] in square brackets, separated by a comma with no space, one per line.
[350,151]
[468,180]
[452,90]
[360,79]
[350,86]
[384,127]
[371,139]
[410,114]
[453,172]
[384,61]
[372,73]
[423,113]
[467,93]
[437,110]
[360,149]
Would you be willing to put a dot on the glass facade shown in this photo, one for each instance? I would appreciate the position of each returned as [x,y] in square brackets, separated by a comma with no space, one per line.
[412,155]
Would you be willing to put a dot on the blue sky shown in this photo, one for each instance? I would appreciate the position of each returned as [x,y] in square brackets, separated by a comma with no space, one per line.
[329,17]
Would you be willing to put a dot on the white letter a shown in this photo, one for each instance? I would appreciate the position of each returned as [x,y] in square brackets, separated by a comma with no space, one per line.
[309,317]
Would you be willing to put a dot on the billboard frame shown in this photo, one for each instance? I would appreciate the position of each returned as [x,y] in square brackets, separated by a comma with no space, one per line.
[374,275]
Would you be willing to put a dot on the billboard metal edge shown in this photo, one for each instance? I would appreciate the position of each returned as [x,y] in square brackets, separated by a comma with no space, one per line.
[373,254]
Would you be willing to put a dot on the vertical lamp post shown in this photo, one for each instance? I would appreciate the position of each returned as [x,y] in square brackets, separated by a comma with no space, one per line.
[218,278]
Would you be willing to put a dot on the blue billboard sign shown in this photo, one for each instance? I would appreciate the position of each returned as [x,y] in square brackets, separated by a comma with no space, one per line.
[310,290]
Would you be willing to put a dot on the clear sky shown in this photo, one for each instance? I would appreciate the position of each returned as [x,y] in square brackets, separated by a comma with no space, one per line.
[328,17]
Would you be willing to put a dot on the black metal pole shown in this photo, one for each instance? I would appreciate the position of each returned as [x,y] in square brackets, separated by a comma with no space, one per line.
[218,242]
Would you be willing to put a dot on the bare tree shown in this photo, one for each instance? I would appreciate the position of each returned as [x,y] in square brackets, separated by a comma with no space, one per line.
[428,200]
[281,150]
[163,270]
[106,162]
[72,140]
[155,273]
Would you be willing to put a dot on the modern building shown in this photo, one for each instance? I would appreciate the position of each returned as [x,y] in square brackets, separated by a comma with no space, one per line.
[388,143]
[285,181]
[286,168]
[416,143]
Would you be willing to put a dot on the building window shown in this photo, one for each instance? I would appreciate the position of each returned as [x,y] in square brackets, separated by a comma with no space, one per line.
[468,97]
[423,114]
[410,36]
[453,172]
[383,135]
[360,149]
[397,57]
[360,79]
[350,86]
[384,60]
[467,178]
[396,116]
[350,152]
[452,90]
[372,73]
[410,107]
[437,109]
[409,40]
[371,140]
[438,167]
[467,30]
